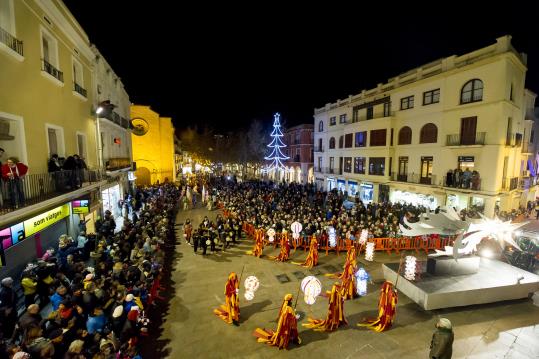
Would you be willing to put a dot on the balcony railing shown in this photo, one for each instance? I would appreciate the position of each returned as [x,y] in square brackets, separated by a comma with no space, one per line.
[317,169]
[333,171]
[42,186]
[53,71]
[10,41]
[460,140]
[513,139]
[117,163]
[319,149]
[413,178]
[510,183]
[80,90]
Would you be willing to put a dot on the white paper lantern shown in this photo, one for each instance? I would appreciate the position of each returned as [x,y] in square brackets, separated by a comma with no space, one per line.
[251,283]
[249,295]
[410,267]
[364,236]
[271,235]
[361,281]
[312,288]
[332,237]
[296,228]
[369,252]
[309,299]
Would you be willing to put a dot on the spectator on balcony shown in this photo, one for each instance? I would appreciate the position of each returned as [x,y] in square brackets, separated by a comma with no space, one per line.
[71,165]
[13,172]
[80,167]
[457,177]
[467,178]
[54,164]
[449,178]
[476,180]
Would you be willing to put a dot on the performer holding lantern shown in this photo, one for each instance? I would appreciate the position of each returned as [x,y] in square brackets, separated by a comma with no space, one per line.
[335,317]
[230,311]
[287,327]
[349,284]
[259,244]
[387,306]
[312,257]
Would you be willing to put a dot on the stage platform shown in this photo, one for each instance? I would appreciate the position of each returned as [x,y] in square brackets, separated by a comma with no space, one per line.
[494,282]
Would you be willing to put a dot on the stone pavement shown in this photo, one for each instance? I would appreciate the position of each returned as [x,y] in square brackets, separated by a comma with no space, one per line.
[191,330]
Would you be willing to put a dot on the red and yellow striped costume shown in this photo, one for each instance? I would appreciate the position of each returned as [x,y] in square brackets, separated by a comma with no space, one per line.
[312,257]
[287,327]
[230,311]
[335,317]
[387,307]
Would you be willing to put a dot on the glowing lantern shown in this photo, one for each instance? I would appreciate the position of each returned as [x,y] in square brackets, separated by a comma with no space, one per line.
[251,285]
[410,267]
[311,287]
[364,236]
[296,228]
[361,280]
[332,237]
[369,252]
[271,235]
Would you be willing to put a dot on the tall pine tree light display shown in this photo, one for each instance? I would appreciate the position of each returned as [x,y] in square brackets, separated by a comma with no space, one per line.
[276,156]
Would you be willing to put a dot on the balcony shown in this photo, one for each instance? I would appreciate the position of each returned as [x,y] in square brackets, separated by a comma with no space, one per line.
[319,149]
[513,139]
[466,140]
[43,186]
[332,171]
[527,147]
[80,90]
[413,178]
[117,163]
[509,183]
[10,41]
[53,71]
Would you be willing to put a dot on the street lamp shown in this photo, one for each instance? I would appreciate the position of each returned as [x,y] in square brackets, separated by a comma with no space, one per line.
[98,110]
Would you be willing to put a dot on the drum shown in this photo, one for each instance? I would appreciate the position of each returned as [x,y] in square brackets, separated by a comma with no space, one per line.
[208,242]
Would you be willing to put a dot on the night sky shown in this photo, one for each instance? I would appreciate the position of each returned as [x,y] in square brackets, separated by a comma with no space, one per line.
[225,65]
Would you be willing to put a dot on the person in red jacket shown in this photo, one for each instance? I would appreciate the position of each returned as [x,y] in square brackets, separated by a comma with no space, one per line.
[13,172]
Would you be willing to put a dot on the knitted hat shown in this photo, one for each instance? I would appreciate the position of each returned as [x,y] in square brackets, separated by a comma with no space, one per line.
[118,311]
[129,297]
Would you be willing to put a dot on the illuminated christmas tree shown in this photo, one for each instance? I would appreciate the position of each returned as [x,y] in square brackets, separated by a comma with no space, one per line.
[276,156]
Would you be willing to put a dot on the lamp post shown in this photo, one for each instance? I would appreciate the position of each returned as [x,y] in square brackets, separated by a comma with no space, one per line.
[98,110]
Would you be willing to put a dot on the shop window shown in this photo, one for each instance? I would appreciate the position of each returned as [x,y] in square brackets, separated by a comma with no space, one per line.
[377,166]
[348,164]
[359,165]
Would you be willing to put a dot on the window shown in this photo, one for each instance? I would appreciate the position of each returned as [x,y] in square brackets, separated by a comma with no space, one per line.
[431,97]
[298,138]
[55,140]
[370,113]
[342,118]
[341,141]
[320,126]
[361,139]
[387,109]
[332,121]
[359,165]
[378,137]
[319,164]
[81,145]
[7,20]
[77,73]
[348,164]
[405,136]
[468,126]
[319,145]
[377,166]
[49,56]
[426,170]
[332,142]
[403,166]
[391,137]
[472,91]
[531,135]
[428,134]
[407,102]
[511,93]
[331,163]
[348,140]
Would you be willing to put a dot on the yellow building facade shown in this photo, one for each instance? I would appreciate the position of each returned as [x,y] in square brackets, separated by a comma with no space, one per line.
[153,146]
[45,97]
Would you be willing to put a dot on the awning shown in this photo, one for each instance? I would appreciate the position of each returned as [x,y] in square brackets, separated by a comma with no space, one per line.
[341,181]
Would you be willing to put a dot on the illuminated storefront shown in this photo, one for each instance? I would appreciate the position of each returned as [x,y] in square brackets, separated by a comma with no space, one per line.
[341,185]
[416,199]
[111,196]
[366,191]
[353,188]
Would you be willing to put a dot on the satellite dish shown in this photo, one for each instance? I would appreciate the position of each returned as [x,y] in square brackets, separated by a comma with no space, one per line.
[140,126]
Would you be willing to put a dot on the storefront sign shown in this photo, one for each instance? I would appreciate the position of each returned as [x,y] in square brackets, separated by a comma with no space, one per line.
[367,185]
[466,158]
[39,223]
[12,235]
[81,206]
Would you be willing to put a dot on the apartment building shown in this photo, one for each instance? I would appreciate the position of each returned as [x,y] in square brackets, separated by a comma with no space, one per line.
[299,140]
[451,132]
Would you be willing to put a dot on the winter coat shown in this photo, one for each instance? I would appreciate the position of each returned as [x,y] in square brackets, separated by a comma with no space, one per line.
[441,346]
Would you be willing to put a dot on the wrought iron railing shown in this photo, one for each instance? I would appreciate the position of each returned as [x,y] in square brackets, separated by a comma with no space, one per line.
[460,140]
[10,41]
[413,178]
[53,71]
[79,89]
[42,186]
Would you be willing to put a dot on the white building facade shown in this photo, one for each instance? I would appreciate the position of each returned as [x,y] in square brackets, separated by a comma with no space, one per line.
[451,132]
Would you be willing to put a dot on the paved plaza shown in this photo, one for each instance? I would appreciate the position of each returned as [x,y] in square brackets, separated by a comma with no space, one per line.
[191,330]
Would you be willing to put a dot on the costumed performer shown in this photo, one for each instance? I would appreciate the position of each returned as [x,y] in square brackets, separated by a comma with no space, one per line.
[387,306]
[287,327]
[285,248]
[335,317]
[312,257]
[259,243]
[230,311]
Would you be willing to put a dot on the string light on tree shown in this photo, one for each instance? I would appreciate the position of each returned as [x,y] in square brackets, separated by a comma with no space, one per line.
[410,267]
[276,155]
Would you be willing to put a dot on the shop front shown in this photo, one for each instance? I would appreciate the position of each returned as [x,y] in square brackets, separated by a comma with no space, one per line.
[341,185]
[353,188]
[332,183]
[111,198]
[25,241]
[319,184]
[461,201]
[366,192]
[416,199]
